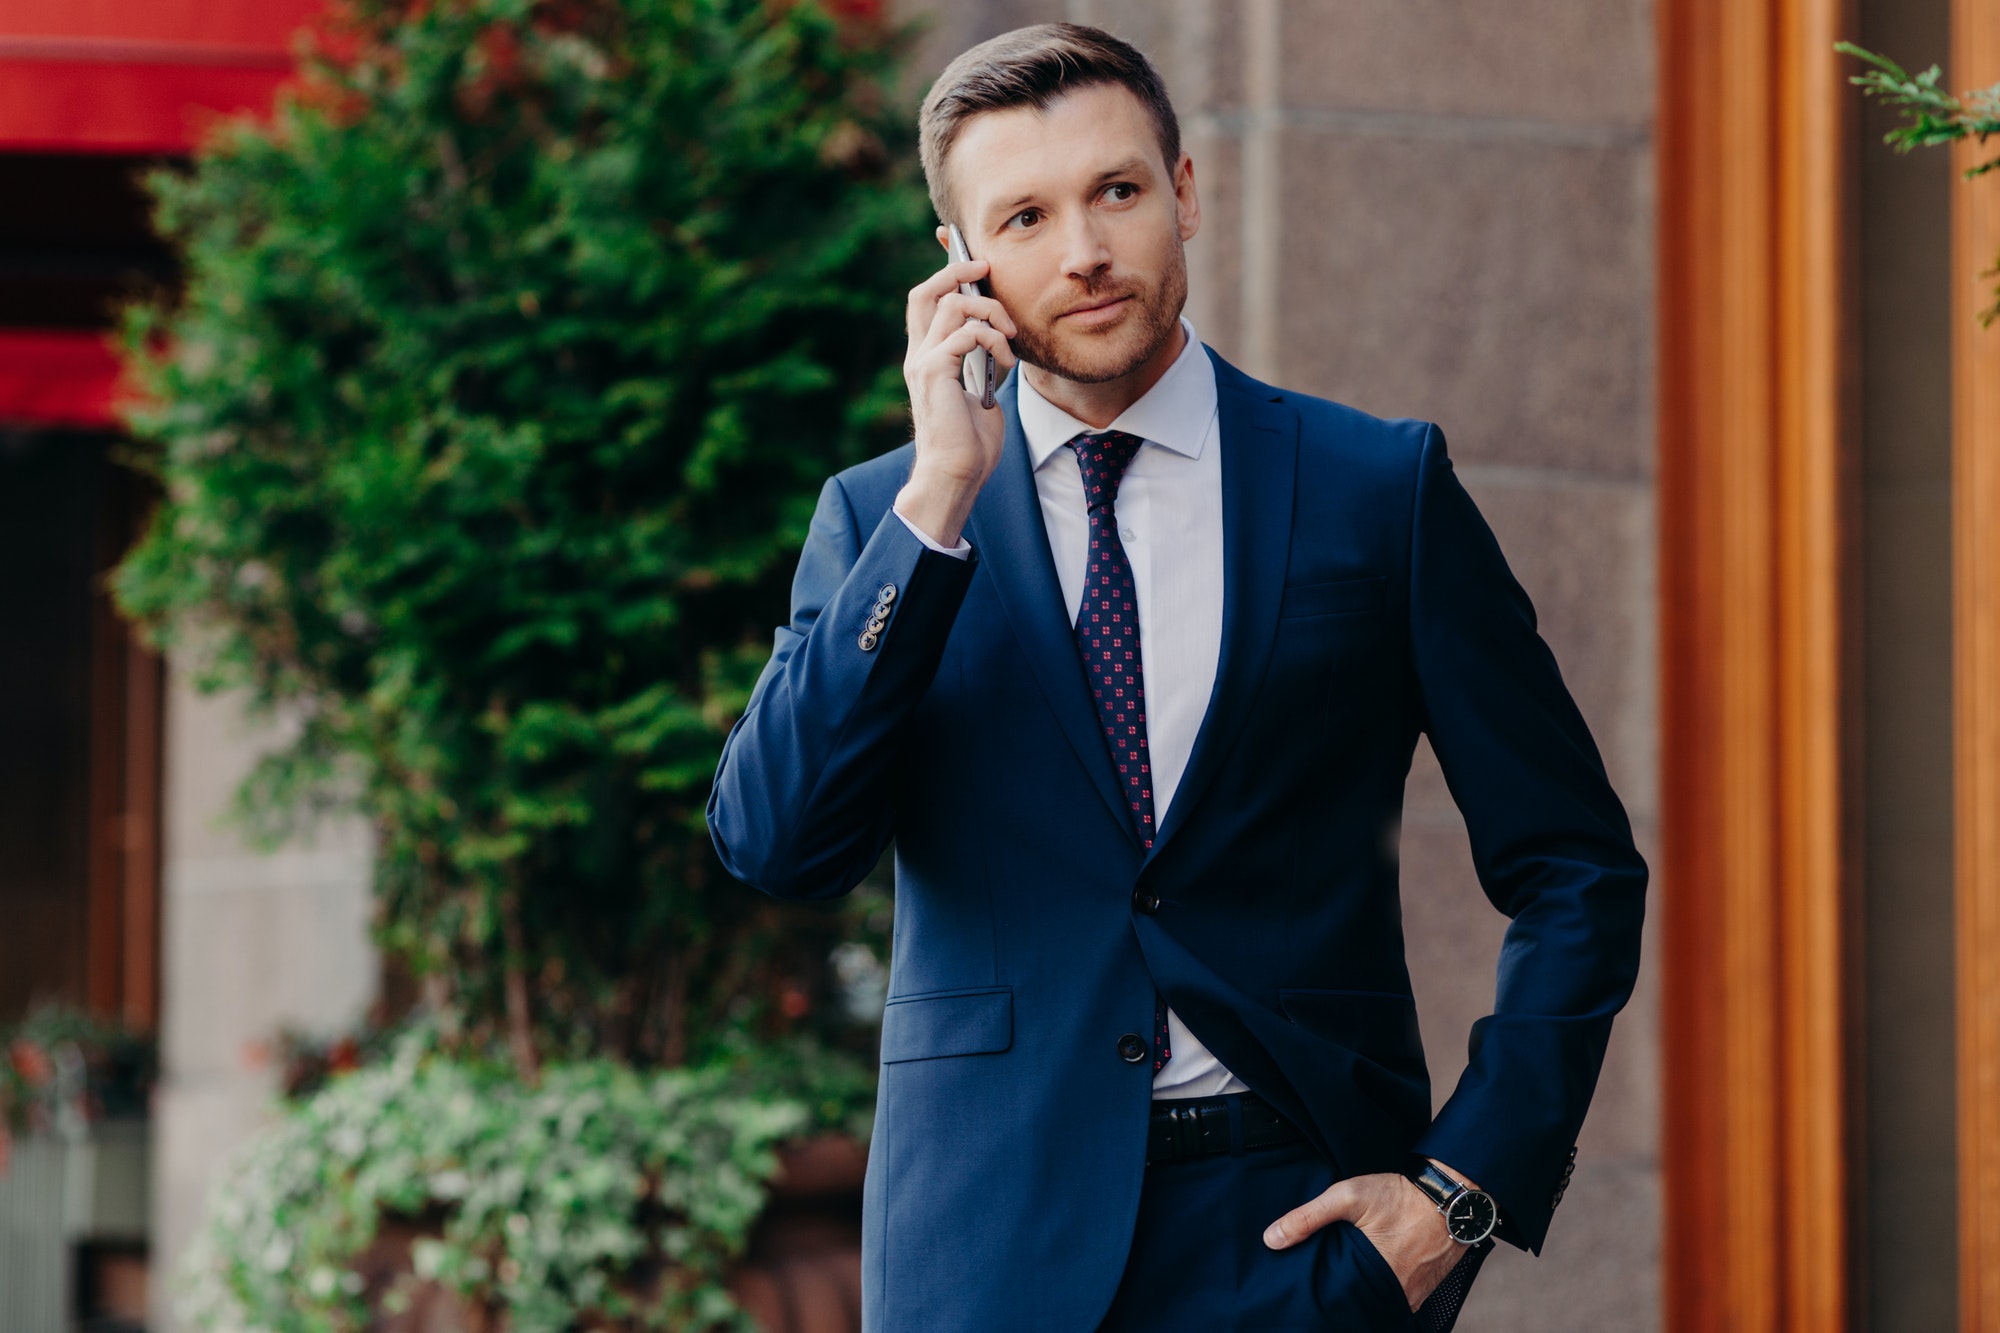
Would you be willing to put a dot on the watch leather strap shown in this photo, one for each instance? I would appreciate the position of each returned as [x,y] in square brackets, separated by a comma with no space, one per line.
[1441,1188]
[1446,1191]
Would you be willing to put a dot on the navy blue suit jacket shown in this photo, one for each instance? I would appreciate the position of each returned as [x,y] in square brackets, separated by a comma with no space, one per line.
[1365,601]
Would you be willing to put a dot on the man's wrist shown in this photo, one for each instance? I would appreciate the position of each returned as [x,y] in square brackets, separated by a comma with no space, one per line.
[937,506]
[962,551]
[1455,1174]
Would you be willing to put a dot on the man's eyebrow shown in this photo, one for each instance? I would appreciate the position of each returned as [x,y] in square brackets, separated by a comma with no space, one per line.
[1131,166]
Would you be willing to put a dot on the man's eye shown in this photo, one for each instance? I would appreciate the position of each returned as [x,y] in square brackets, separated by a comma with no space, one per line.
[1121,191]
[1024,219]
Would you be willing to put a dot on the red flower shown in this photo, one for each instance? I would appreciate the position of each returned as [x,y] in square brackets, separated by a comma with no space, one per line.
[32,1063]
[501,46]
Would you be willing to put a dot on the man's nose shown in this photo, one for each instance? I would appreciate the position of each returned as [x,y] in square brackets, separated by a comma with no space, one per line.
[1085,253]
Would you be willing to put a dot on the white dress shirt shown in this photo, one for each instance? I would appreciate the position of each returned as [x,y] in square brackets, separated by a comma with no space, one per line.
[1169,512]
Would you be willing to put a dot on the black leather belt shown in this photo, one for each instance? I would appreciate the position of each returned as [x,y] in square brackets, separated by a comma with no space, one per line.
[1200,1127]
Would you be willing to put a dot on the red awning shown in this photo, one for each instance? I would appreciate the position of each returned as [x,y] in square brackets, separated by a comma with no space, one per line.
[121,76]
[57,377]
[137,76]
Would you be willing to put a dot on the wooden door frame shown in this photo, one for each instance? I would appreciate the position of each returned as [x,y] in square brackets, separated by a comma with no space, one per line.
[121,971]
[1756,454]
[1975,63]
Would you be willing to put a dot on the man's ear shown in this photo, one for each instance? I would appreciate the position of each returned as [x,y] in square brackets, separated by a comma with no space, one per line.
[1187,203]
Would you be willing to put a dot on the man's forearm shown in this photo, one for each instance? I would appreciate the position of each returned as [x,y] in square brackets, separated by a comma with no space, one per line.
[801,802]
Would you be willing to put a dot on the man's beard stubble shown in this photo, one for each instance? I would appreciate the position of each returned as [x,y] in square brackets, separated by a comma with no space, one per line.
[1159,314]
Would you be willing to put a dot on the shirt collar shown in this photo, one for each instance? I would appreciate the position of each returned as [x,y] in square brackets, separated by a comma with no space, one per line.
[1174,414]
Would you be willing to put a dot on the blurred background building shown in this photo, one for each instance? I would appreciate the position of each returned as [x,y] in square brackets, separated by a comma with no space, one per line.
[1707,356]
[119,889]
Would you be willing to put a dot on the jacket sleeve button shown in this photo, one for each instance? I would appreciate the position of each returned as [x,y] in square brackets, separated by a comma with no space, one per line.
[1131,1048]
[867,641]
[887,593]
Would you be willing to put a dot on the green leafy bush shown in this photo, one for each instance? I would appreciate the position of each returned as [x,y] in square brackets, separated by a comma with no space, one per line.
[1932,116]
[509,361]
[604,1197]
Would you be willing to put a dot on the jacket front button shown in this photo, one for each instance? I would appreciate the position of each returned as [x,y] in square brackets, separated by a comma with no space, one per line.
[1131,1048]
[1144,902]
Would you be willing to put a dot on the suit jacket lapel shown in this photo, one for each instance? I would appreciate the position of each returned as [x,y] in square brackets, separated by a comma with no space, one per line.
[1006,525]
[1260,458]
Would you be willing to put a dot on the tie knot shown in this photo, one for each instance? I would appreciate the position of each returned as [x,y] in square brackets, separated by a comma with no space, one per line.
[1103,459]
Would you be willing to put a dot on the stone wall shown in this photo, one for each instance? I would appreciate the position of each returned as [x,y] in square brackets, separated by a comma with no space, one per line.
[251,942]
[1446,211]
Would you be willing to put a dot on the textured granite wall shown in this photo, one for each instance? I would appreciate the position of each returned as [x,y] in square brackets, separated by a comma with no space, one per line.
[1446,211]
[251,942]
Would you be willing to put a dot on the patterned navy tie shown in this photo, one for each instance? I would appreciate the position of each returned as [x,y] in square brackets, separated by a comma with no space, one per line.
[1107,636]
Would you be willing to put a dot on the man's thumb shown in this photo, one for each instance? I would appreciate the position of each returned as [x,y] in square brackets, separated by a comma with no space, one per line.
[1337,1204]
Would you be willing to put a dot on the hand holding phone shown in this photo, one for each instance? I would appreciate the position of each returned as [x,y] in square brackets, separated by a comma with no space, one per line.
[978,372]
[958,349]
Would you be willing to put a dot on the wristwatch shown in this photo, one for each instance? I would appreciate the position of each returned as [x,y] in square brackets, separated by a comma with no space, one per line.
[1469,1214]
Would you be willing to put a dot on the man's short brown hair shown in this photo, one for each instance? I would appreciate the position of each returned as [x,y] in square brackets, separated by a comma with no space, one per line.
[1033,67]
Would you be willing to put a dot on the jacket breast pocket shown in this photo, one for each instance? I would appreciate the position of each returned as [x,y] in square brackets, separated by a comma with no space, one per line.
[1339,598]
[965,1022]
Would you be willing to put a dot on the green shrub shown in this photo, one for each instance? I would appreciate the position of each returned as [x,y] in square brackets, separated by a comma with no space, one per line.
[603,1197]
[510,357]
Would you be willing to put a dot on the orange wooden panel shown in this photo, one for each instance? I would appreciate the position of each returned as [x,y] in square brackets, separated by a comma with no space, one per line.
[122,973]
[1754,488]
[139,884]
[1817,651]
[1975,63]
[1689,579]
[104,966]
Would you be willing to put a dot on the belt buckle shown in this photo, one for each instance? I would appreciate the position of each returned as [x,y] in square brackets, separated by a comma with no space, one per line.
[1187,1130]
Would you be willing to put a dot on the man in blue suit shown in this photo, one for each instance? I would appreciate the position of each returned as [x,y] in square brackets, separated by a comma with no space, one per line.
[1131,668]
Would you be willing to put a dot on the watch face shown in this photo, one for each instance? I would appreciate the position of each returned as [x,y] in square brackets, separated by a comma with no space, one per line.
[1472,1217]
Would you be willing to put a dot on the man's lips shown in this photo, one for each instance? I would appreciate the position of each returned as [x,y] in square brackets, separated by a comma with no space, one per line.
[1096,310]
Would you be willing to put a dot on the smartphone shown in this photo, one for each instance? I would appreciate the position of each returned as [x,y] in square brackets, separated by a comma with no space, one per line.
[978,372]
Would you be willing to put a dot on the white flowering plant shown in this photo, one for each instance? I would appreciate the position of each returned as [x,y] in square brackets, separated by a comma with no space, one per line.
[601,1197]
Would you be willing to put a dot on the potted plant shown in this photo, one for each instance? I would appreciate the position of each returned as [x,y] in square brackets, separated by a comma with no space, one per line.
[489,417]
[75,1155]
